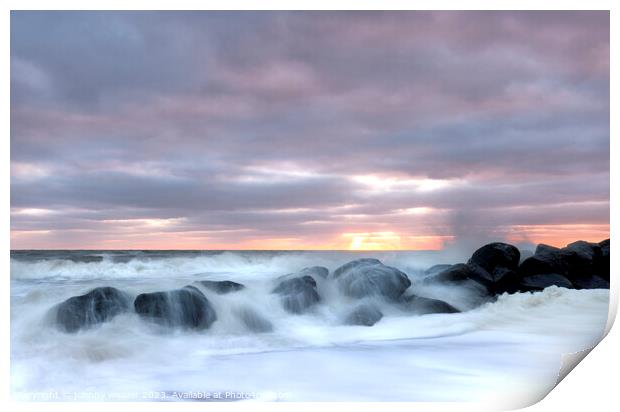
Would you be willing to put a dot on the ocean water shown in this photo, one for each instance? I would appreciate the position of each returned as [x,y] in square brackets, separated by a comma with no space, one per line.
[507,352]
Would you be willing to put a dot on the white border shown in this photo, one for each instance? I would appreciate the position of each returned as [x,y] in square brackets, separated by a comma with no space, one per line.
[593,383]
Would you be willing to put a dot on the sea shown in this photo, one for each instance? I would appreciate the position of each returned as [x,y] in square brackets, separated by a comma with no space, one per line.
[505,352]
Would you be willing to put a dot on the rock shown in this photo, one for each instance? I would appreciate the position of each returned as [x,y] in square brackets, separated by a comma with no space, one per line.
[580,258]
[369,277]
[540,282]
[593,282]
[525,253]
[505,280]
[297,293]
[602,264]
[433,270]
[494,255]
[221,286]
[187,307]
[353,264]
[462,272]
[541,249]
[586,250]
[254,321]
[424,306]
[548,261]
[320,271]
[581,263]
[364,315]
[97,306]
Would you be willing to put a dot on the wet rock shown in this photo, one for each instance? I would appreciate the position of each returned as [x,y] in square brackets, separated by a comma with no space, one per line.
[603,262]
[539,282]
[297,293]
[254,321]
[580,262]
[369,277]
[97,306]
[424,306]
[187,307]
[496,255]
[593,282]
[365,314]
[433,270]
[542,249]
[546,262]
[315,271]
[580,258]
[462,272]
[221,286]
[505,280]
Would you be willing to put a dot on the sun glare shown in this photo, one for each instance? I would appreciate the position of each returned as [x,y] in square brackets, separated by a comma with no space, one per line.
[374,241]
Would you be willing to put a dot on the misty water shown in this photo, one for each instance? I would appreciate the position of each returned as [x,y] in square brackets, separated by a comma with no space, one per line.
[505,352]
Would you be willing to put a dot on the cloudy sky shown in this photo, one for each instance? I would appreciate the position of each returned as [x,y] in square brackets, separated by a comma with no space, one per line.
[332,130]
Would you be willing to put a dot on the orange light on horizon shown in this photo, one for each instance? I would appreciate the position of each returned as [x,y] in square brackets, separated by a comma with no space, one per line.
[374,241]
[157,234]
[558,235]
[390,240]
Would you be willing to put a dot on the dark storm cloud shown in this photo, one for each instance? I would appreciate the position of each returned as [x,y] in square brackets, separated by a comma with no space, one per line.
[270,124]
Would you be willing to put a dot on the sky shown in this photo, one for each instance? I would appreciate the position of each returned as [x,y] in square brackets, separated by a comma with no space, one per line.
[308,130]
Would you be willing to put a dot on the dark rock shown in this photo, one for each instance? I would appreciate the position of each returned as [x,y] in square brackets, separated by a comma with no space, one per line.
[542,249]
[367,277]
[297,293]
[315,271]
[364,315]
[526,253]
[97,306]
[581,263]
[462,272]
[433,270]
[187,307]
[602,264]
[593,282]
[494,255]
[548,261]
[254,321]
[587,250]
[580,258]
[540,282]
[505,280]
[424,306]
[353,264]
[221,286]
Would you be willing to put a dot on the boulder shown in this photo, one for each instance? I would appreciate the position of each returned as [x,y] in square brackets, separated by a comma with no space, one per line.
[424,306]
[580,262]
[97,306]
[580,258]
[221,286]
[505,280]
[187,308]
[539,282]
[496,255]
[297,293]
[525,253]
[364,315]
[593,282]
[462,272]
[602,264]
[548,261]
[542,248]
[433,270]
[254,321]
[369,277]
[315,271]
